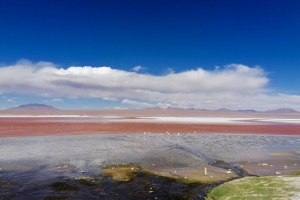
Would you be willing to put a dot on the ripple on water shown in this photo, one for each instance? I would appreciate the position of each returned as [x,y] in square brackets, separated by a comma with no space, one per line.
[32,161]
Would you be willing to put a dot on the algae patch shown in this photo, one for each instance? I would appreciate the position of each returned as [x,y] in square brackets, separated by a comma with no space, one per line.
[127,172]
[122,172]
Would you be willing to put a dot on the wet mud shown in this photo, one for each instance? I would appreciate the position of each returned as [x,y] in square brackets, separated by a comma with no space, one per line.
[143,184]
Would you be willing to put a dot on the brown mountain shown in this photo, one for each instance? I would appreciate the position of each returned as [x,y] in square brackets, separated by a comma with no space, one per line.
[282,110]
[224,110]
[34,106]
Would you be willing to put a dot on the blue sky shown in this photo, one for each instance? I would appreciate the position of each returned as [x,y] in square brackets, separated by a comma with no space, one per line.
[258,41]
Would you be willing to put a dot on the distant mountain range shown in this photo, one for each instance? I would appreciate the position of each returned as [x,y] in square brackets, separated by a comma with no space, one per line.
[34,106]
[280,110]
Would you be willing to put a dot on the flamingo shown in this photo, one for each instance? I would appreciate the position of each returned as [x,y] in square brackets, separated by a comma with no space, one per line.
[168,135]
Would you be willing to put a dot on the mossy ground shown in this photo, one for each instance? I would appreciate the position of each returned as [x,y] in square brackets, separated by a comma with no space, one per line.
[250,188]
[296,172]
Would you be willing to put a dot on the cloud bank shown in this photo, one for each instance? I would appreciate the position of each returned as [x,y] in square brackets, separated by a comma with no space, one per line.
[235,86]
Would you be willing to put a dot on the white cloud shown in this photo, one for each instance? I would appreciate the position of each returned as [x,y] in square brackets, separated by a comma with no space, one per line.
[234,86]
[162,105]
[109,99]
[169,71]
[57,100]
[10,100]
[120,108]
[137,104]
[137,68]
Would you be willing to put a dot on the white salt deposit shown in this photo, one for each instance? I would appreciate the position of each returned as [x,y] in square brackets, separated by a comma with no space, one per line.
[222,120]
[201,120]
[291,121]
[40,116]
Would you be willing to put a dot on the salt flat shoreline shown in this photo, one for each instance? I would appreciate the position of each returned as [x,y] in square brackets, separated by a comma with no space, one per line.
[33,127]
[33,123]
[44,146]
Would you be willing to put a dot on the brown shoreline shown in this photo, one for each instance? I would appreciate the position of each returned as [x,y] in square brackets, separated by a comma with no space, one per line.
[13,127]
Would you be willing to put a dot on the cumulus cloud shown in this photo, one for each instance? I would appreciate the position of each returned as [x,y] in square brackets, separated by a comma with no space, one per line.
[10,100]
[234,86]
[109,99]
[137,68]
[57,100]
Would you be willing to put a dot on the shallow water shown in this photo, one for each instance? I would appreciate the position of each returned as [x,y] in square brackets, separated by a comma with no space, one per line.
[29,164]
